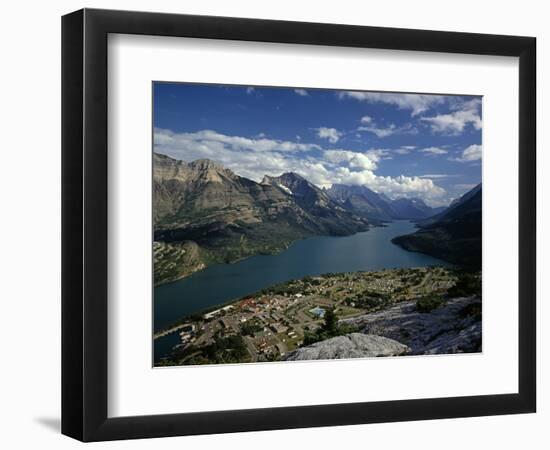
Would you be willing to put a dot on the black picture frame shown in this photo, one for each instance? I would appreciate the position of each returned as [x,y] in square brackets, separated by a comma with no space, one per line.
[84,224]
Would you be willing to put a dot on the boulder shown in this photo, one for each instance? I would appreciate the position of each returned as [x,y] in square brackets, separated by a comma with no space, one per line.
[354,345]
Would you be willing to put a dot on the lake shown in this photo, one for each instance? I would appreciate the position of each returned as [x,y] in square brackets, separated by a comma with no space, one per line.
[370,250]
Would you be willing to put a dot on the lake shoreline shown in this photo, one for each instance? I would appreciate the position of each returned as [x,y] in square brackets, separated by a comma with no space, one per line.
[286,312]
[365,251]
[182,320]
[276,252]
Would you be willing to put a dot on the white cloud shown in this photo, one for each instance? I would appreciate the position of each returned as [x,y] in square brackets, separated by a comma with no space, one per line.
[402,151]
[331,134]
[455,122]
[436,176]
[380,132]
[470,154]
[250,90]
[301,92]
[377,154]
[354,160]
[434,151]
[366,119]
[417,103]
[458,103]
[210,141]
[394,187]
[254,158]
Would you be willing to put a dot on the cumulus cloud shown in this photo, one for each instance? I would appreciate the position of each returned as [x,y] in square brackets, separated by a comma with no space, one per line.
[416,103]
[254,158]
[404,186]
[460,103]
[331,134]
[377,154]
[462,111]
[455,122]
[380,132]
[366,119]
[301,92]
[394,187]
[434,151]
[369,125]
[209,141]
[470,154]
[354,160]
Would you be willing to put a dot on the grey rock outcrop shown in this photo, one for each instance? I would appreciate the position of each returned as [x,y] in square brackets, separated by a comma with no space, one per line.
[446,329]
[354,345]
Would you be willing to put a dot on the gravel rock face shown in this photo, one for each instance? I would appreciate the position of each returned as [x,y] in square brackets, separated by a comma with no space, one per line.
[354,345]
[444,330]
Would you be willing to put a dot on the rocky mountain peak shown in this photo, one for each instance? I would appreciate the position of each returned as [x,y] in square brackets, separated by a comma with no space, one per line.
[292,176]
[297,184]
[285,178]
[168,168]
[208,170]
[206,164]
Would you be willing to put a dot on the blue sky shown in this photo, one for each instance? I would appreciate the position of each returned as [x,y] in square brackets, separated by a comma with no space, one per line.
[402,145]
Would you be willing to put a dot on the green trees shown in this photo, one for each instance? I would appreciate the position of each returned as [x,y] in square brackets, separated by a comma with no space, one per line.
[229,349]
[466,285]
[330,328]
[330,325]
[249,328]
[428,303]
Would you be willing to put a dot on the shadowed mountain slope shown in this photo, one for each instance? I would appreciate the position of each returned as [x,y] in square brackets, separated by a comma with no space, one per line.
[453,235]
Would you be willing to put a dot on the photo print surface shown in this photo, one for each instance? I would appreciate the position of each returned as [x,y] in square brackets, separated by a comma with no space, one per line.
[295,224]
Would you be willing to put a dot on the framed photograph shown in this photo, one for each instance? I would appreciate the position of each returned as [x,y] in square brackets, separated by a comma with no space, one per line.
[273,224]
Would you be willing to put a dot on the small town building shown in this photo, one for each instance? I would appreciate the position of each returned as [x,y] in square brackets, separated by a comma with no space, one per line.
[318,312]
[278,327]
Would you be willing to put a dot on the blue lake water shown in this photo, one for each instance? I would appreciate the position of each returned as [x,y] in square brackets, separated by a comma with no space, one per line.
[371,250]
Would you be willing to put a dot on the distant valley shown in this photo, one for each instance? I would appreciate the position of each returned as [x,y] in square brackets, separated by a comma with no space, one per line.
[378,207]
[204,214]
[451,233]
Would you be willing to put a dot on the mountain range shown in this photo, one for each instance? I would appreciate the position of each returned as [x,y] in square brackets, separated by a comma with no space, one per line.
[231,217]
[378,207]
[204,213]
[453,235]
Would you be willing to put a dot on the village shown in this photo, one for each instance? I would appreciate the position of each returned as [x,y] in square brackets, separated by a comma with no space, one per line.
[269,324]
